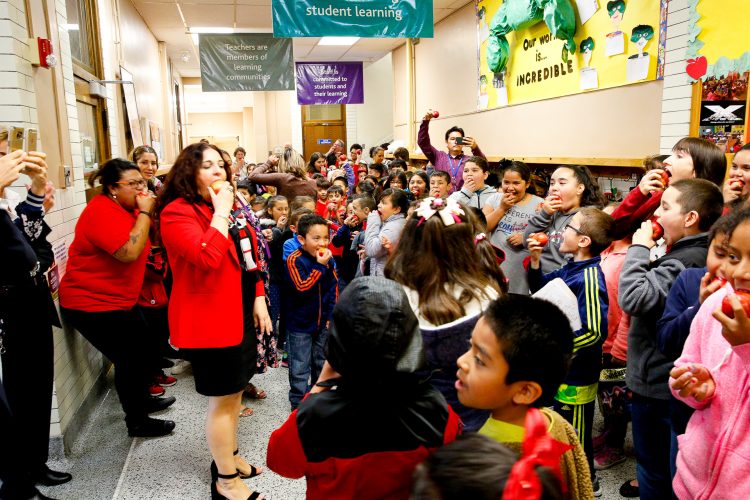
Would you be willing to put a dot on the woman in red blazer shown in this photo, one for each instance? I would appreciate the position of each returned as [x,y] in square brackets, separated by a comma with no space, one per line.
[207,321]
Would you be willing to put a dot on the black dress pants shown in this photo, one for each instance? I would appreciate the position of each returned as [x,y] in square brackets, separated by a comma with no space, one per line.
[122,337]
[27,366]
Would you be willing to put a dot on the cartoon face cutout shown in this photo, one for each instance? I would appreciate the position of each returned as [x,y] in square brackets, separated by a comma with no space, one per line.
[616,10]
[587,49]
[641,35]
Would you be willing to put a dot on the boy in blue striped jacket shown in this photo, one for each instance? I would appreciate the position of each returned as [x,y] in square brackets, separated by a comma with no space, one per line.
[313,287]
[587,234]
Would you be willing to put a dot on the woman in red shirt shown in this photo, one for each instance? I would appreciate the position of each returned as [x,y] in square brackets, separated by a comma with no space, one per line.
[217,293]
[98,294]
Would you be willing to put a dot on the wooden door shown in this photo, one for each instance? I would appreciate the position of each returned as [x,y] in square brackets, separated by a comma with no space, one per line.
[321,126]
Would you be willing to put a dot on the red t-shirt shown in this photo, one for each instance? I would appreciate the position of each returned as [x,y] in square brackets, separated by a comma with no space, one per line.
[95,281]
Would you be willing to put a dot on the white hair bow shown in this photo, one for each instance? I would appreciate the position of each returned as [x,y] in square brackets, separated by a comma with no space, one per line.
[448,210]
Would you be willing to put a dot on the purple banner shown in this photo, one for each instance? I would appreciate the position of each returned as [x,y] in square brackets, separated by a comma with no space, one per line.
[330,83]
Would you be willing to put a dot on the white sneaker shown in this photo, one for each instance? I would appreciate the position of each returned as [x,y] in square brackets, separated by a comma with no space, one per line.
[180,366]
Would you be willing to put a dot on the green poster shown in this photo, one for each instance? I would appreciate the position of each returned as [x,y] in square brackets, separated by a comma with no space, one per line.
[246,61]
[362,18]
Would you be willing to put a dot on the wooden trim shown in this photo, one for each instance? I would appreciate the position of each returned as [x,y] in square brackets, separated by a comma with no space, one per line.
[695,109]
[548,160]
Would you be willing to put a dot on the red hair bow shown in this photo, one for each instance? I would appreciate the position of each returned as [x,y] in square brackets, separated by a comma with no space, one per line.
[538,449]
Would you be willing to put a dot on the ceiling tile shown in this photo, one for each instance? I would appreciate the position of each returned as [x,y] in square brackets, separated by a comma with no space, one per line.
[215,15]
[254,16]
[159,15]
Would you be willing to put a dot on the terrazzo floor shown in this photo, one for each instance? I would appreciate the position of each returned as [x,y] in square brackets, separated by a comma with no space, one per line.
[107,464]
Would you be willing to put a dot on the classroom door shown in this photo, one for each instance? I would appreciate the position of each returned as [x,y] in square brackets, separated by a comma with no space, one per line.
[321,126]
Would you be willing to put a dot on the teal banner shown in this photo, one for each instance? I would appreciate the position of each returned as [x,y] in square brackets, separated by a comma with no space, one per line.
[246,62]
[362,18]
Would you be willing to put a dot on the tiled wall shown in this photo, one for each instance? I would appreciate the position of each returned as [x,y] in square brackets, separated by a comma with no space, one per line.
[676,101]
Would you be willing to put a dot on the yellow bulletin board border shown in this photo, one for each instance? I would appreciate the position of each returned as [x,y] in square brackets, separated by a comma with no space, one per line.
[704,45]
[533,54]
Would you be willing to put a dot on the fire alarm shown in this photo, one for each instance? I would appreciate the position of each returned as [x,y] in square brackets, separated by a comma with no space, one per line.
[41,53]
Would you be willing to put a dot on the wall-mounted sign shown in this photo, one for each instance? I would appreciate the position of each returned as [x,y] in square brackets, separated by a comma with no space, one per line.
[246,62]
[325,141]
[363,18]
[330,83]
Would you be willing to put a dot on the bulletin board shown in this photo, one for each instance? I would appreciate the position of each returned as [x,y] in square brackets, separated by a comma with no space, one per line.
[719,65]
[617,43]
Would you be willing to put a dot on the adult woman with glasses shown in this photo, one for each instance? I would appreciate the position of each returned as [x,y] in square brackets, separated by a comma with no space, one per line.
[98,294]
[217,299]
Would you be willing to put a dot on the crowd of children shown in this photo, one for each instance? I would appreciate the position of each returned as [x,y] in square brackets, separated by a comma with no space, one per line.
[464,256]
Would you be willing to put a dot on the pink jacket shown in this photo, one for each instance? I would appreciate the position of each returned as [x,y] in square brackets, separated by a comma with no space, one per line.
[714,453]
[618,322]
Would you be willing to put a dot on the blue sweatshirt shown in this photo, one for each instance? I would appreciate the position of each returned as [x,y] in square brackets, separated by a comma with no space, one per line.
[313,290]
[586,280]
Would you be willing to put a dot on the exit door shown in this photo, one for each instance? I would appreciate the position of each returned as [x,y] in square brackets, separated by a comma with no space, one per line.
[321,125]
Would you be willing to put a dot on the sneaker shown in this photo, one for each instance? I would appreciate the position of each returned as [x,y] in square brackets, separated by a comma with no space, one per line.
[608,457]
[597,487]
[165,380]
[600,441]
[180,366]
[156,390]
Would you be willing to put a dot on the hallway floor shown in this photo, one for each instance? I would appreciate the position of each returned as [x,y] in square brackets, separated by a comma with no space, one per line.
[107,464]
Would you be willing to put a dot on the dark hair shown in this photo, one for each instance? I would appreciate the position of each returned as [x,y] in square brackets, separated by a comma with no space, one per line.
[300,200]
[536,340]
[317,175]
[709,161]
[307,221]
[454,128]
[477,467]
[273,200]
[398,164]
[182,177]
[249,185]
[297,213]
[431,255]
[140,150]
[724,225]
[322,183]
[110,173]
[366,187]
[737,217]
[365,201]
[521,169]
[239,149]
[335,189]
[398,199]
[259,200]
[341,178]
[599,226]
[377,167]
[401,154]
[654,161]
[479,162]
[332,159]
[400,176]
[441,173]
[355,146]
[375,150]
[486,250]
[592,193]
[311,164]
[702,196]
[426,178]
[224,155]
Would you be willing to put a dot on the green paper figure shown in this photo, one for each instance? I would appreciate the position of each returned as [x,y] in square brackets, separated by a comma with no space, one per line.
[616,10]
[640,36]
[587,49]
[513,15]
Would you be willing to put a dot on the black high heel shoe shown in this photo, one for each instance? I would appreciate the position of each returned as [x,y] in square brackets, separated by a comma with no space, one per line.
[215,495]
[253,470]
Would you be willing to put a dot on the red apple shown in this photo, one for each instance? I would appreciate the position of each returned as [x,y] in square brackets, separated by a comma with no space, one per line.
[321,253]
[665,178]
[217,185]
[358,151]
[435,114]
[743,296]
[696,68]
[342,158]
[656,230]
[541,238]
[738,181]
[723,281]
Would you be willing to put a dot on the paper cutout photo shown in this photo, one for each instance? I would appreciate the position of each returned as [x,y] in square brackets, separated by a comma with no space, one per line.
[616,11]
[638,64]
[484,97]
[587,49]
[615,42]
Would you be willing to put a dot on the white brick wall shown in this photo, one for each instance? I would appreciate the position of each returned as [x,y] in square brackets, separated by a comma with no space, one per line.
[676,101]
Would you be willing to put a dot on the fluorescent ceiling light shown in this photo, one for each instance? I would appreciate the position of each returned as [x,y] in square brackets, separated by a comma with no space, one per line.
[338,40]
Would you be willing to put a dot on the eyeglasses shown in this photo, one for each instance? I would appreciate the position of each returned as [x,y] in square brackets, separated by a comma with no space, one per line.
[577,230]
[133,184]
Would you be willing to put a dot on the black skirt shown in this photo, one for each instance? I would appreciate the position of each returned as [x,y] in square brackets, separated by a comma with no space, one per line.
[223,371]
